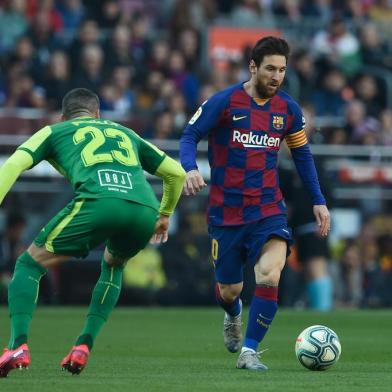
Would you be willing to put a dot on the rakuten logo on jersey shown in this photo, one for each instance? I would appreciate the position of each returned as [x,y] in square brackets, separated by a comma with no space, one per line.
[255,140]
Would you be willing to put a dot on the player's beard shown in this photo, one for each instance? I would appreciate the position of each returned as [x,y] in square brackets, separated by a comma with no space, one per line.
[266,91]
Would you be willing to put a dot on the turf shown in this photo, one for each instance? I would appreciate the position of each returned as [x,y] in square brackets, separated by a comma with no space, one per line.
[169,349]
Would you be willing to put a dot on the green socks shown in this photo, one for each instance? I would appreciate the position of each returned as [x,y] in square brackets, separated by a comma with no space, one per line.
[22,297]
[104,298]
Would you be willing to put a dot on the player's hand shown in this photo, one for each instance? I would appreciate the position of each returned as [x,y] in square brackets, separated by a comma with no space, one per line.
[194,182]
[161,230]
[323,219]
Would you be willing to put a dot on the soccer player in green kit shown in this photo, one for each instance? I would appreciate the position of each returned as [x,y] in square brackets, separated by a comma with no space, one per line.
[113,204]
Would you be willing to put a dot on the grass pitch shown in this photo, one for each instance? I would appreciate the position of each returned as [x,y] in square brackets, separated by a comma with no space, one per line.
[170,349]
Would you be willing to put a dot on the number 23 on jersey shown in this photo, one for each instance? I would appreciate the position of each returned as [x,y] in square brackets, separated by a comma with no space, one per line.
[124,154]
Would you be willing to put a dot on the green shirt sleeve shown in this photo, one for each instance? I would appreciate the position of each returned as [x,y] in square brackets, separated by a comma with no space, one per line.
[150,156]
[17,163]
[173,179]
[38,145]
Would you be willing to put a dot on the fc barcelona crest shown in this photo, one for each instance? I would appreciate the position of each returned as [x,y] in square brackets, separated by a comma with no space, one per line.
[278,122]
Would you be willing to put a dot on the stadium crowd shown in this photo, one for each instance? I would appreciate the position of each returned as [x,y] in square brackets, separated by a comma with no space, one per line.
[145,57]
[147,61]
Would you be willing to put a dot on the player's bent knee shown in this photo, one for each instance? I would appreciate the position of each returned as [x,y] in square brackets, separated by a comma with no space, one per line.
[45,258]
[229,292]
[270,278]
[113,261]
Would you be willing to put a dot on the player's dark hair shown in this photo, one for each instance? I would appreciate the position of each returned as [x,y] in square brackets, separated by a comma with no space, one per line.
[268,46]
[79,100]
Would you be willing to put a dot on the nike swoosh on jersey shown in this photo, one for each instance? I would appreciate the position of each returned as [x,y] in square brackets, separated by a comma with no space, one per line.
[238,118]
[286,231]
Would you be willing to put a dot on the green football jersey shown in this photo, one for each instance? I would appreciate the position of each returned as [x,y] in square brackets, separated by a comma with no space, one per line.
[99,157]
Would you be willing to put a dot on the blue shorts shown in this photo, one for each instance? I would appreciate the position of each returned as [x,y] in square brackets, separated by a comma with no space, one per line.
[233,246]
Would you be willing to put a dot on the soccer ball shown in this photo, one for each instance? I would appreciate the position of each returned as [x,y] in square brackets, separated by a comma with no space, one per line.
[318,347]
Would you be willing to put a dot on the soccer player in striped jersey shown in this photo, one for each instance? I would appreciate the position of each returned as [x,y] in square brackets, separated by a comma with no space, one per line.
[113,204]
[245,125]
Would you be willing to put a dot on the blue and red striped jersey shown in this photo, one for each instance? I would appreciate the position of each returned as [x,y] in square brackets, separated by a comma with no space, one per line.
[244,137]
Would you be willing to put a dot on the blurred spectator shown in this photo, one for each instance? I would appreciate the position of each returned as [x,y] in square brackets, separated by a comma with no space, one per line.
[166,91]
[189,46]
[252,13]
[337,136]
[186,14]
[288,9]
[118,48]
[147,94]
[330,98]
[57,81]
[319,10]
[163,126]
[140,44]
[381,11]
[23,93]
[42,35]
[361,128]
[88,34]
[235,72]
[349,279]
[124,98]
[72,13]
[144,277]
[206,91]
[219,78]
[184,81]
[354,11]
[225,6]
[159,58]
[13,23]
[369,243]
[150,8]
[24,59]
[110,14]
[367,90]
[338,46]
[108,96]
[374,51]
[177,107]
[90,75]
[305,69]
[45,9]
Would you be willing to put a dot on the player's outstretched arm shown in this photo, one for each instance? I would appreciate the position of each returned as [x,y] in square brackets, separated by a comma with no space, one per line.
[307,171]
[173,179]
[194,182]
[17,163]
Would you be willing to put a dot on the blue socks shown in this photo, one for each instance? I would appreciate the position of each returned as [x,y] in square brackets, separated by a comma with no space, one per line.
[233,308]
[320,294]
[261,313]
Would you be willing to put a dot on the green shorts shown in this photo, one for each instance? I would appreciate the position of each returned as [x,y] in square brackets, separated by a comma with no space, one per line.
[124,226]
